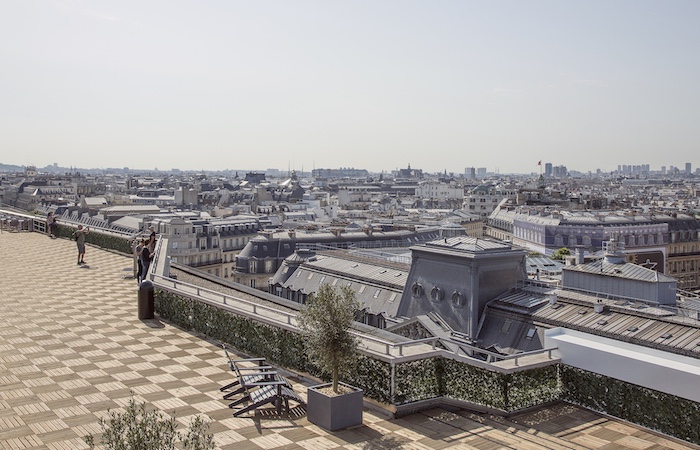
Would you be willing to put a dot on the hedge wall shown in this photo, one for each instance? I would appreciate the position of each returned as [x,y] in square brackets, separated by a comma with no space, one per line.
[102,240]
[666,413]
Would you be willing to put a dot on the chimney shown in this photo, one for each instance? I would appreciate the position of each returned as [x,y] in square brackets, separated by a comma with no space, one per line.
[599,307]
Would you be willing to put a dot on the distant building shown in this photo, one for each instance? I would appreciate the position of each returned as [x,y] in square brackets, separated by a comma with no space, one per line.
[255,177]
[483,199]
[409,173]
[340,173]
[548,170]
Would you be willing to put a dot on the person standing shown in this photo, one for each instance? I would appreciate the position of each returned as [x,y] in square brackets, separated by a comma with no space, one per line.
[145,258]
[152,239]
[79,236]
[137,246]
[50,225]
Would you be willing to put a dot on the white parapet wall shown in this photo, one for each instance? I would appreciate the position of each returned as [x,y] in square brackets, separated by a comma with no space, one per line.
[655,369]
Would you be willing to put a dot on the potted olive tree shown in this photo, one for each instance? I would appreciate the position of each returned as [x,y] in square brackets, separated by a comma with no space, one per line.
[326,320]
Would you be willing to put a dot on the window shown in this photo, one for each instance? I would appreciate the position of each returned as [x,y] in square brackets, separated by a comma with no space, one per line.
[376,293]
[437,294]
[417,289]
[506,326]
[530,333]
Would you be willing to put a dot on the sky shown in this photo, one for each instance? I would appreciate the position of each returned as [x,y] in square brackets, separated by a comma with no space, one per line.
[373,84]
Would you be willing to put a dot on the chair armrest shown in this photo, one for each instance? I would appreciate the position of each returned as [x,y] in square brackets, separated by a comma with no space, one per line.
[255,368]
[265,374]
[259,360]
[266,383]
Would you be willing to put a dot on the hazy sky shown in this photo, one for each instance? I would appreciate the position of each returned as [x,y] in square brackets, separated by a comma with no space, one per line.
[375,84]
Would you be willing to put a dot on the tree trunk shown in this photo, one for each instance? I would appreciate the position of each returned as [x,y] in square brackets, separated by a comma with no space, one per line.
[335,379]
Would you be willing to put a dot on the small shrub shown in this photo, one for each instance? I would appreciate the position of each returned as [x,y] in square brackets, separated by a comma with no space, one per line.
[139,429]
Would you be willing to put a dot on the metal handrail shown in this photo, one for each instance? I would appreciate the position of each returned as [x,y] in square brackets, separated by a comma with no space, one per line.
[221,298]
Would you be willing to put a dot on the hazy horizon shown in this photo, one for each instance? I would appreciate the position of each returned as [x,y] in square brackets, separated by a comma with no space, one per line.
[372,85]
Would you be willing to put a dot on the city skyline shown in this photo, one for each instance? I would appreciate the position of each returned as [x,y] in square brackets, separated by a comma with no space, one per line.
[440,86]
[620,169]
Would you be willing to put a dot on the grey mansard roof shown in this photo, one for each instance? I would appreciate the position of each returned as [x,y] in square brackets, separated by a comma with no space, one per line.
[624,270]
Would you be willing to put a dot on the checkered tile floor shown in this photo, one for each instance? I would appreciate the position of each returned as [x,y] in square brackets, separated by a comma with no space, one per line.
[71,347]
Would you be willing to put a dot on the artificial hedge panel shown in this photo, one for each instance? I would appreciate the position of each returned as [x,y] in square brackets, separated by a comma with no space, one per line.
[646,407]
[173,308]
[280,346]
[372,376]
[417,380]
[532,387]
[474,384]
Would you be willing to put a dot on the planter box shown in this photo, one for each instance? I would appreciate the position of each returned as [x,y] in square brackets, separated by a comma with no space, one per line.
[334,413]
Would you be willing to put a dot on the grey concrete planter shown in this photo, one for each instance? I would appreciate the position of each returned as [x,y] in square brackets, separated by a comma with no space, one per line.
[334,413]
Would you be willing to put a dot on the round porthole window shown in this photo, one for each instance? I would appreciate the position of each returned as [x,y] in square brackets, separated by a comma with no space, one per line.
[417,289]
[458,298]
[437,294]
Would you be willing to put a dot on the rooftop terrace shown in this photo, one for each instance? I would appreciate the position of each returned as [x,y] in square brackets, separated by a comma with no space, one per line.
[71,347]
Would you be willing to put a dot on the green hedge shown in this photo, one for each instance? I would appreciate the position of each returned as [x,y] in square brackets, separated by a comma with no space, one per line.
[475,385]
[279,346]
[418,380]
[666,413]
[102,240]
